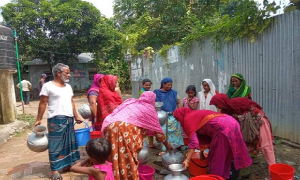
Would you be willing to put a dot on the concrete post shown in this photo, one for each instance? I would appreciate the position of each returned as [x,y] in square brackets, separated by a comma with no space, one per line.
[8,109]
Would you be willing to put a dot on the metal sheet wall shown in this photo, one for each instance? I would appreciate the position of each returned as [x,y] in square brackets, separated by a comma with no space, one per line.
[270,65]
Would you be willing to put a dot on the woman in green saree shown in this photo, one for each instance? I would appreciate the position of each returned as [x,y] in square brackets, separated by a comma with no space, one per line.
[238,87]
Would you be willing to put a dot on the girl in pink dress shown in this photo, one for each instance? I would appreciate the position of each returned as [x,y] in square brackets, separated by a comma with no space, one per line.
[191,101]
[96,166]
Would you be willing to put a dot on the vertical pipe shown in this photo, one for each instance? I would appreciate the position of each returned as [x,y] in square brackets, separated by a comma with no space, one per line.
[18,64]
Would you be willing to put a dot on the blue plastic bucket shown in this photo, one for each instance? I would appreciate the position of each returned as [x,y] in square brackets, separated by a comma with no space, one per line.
[83,135]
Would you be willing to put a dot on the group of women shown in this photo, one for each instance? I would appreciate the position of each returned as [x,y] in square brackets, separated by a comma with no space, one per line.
[230,125]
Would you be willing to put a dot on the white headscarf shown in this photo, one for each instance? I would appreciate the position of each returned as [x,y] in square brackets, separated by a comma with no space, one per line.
[204,102]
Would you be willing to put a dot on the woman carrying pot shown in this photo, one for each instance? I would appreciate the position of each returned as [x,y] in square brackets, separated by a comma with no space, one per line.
[255,125]
[125,129]
[221,133]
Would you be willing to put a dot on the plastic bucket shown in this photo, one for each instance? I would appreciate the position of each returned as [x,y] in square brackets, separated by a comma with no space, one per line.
[95,134]
[83,135]
[207,177]
[198,167]
[202,178]
[98,126]
[146,172]
[281,171]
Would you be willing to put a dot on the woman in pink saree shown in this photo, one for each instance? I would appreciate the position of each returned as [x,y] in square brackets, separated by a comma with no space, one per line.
[221,133]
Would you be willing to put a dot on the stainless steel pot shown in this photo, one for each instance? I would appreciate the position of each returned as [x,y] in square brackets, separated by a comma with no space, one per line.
[143,155]
[38,140]
[85,111]
[176,170]
[162,115]
[174,157]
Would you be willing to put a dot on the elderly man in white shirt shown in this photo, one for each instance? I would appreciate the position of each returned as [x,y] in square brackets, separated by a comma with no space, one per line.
[63,148]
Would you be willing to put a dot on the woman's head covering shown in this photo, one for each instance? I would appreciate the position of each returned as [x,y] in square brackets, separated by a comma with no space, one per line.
[211,86]
[96,83]
[108,98]
[139,112]
[165,80]
[242,91]
[204,100]
[230,106]
[191,119]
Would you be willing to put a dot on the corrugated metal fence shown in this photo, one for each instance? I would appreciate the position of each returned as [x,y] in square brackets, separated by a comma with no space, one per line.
[270,65]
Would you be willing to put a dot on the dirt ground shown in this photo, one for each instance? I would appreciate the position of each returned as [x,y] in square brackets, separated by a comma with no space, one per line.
[18,162]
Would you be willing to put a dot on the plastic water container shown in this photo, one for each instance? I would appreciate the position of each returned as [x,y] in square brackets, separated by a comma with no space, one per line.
[281,171]
[83,135]
[146,172]
[207,177]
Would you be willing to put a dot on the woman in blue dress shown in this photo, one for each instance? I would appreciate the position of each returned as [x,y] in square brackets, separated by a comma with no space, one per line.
[171,101]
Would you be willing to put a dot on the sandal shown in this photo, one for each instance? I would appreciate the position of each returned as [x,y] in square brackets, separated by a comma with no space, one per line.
[56,176]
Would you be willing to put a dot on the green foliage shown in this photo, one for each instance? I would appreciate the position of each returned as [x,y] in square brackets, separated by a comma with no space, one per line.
[59,30]
[293,5]
[163,52]
[54,31]
[160,24]
[119,68]
[238,20]
[27,118]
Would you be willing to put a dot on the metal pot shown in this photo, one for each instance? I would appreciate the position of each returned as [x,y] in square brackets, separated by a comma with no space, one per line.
[143,155]
[38,140]
[176,170]
[174,157]
[162,115]
[85,111]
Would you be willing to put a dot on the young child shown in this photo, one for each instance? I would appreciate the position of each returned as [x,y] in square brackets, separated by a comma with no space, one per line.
[96,166]
[191,101]
[146,85]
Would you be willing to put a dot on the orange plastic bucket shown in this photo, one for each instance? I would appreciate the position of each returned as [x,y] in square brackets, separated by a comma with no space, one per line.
[207,177]
[198,167]
[202,178]
[95,134]
[281,171]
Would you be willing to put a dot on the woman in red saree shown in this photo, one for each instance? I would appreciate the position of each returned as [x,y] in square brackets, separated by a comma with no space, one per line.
[221,133]
[108,98]
[255,125]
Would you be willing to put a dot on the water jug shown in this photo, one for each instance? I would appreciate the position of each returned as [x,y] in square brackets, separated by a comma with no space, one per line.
[38,140]
[162,115]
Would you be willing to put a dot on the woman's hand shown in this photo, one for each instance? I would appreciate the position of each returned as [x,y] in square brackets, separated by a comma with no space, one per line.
[185,163]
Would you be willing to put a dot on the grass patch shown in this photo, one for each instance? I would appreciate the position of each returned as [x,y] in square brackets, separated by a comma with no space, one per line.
[27,118]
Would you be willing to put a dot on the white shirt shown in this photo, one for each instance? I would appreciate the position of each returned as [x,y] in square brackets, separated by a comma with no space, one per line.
[26,85]
[59,99]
